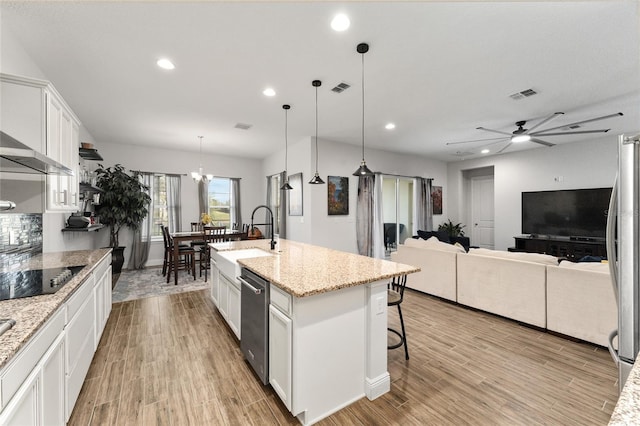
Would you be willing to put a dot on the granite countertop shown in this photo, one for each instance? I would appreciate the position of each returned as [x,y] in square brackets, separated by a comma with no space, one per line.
[627,410]
[31,312]
[304,270]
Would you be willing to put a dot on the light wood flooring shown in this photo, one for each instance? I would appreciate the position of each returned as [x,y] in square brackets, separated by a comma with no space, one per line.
[171,360]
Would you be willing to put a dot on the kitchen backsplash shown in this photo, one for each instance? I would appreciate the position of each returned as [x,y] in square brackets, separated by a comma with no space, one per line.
[20,237]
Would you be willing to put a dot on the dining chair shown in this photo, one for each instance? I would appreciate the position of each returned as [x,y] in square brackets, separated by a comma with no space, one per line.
[186,254]
[212,234]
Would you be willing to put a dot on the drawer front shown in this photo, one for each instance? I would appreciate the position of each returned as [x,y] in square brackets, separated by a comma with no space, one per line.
[281,299]
[102,267]
[23,363]
[78,298]
[81,326]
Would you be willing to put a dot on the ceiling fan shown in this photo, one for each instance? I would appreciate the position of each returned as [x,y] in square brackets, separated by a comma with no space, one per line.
[531,135]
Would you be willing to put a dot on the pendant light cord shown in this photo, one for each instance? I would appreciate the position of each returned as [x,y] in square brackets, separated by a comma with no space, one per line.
[316,129]
[362,107]
[286,145]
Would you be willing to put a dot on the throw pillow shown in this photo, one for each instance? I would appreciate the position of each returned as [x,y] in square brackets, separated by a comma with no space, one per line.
[436,244]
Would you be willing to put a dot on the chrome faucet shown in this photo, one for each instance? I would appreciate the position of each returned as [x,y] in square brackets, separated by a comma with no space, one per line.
[273,243]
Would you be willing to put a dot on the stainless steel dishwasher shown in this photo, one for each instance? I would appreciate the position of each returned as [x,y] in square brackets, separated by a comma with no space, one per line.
[254,324]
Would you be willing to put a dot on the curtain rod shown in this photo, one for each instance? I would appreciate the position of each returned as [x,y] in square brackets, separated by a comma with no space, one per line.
[159,173]
[410,177]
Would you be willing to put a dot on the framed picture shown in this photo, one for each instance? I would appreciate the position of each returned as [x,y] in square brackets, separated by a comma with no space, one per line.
[295,195]
[338,195]
[436,199]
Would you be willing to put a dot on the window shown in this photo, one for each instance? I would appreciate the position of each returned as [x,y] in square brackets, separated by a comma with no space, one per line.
[220,201]
[159,209]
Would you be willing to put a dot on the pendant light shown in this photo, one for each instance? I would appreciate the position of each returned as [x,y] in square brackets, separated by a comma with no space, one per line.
[363,170]
[316,179]
[286,185]
[198,176]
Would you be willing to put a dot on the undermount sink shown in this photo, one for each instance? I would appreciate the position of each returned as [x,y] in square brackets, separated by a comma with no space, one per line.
[228,260]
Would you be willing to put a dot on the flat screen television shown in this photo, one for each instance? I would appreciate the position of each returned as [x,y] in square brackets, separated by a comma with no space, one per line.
[577,213]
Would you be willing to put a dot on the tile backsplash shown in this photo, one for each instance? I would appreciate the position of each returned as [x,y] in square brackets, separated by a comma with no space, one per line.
[20,237]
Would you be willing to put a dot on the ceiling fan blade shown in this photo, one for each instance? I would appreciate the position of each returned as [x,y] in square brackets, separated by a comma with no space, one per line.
[475,140]
[578,132]
[577,123]
[504,147]
[546,120]
[541,142]
[493,131]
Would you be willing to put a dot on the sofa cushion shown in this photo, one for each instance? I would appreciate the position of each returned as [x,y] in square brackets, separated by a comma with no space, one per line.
[543,259]
[441,235]
[586,266]
[436,244]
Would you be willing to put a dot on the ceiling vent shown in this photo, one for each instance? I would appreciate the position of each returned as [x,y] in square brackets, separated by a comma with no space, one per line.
[242,126]
[524,94]
[463,153]
[341,87]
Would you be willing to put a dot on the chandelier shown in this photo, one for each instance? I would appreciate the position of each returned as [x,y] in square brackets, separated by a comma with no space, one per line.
[199,176]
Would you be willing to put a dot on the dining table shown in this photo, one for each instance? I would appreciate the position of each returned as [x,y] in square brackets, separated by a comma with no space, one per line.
[181,236]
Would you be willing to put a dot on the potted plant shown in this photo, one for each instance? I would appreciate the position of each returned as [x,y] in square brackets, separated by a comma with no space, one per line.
[124,202]
[451,229]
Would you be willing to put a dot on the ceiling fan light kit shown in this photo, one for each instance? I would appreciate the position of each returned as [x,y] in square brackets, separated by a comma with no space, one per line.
[532,135]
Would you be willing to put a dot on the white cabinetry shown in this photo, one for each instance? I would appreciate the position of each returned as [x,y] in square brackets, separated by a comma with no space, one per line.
[36,371]
[102,296]
[280,354]
[33,112]
[41,383]
[215,280]
[233,311]
[62,145]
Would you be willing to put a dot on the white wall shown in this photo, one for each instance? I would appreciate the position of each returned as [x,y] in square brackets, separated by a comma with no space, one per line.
[590,164]
[336,159]
[183,162]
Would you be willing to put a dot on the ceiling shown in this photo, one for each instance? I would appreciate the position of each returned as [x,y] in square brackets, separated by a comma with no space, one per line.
[438,70]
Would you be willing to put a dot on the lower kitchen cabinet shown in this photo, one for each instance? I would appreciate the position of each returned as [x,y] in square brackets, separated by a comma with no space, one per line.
[229,302]
[40,385]
[280,354]
[215,281]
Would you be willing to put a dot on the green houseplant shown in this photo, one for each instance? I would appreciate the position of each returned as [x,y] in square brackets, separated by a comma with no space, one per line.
[453,230]
[123,202]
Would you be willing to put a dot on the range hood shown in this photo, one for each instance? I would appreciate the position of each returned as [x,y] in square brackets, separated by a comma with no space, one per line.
[16,157]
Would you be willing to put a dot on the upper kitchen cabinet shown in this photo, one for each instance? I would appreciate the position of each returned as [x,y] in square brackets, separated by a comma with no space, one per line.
[34,113]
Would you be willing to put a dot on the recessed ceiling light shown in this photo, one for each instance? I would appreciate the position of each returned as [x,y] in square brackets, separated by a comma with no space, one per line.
[340,22]
[485,151]
[390,126]
[166,64]
[269,92]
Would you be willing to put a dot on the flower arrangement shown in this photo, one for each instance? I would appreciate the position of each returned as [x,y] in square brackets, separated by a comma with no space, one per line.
[205,219]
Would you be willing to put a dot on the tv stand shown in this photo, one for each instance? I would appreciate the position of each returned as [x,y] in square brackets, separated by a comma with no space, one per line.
[572,248]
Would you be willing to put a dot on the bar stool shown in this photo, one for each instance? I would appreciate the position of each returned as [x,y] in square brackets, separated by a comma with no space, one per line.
[395,294]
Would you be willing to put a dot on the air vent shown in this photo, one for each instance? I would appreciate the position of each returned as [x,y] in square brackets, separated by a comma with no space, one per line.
[341,87]
[242,126]
[463,153]
[524,94]
[575,126]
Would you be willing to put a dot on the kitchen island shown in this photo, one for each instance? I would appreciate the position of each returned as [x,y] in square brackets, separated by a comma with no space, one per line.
[327,324]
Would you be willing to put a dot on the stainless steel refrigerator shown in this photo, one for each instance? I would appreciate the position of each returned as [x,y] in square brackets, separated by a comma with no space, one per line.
[623,251]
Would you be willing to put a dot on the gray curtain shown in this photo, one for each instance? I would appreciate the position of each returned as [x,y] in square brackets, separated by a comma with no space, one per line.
[424,207]
[174,206]
[142,236]
[203,197]
[377,227]
[236,211]
[364,215]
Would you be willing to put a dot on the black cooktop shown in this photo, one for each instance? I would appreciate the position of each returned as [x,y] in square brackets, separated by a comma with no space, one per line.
[18,284]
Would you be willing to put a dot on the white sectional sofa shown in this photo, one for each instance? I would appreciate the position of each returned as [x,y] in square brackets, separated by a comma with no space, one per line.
[581,302]
[437,262]
[572,299]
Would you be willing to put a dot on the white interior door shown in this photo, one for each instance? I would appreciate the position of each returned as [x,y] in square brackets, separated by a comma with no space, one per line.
[482,212]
